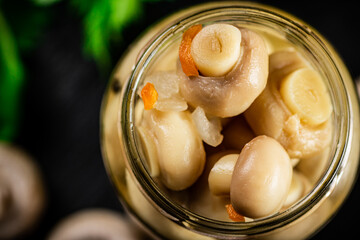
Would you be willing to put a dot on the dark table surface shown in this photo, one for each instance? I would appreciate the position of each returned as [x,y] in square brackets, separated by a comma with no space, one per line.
[60,124]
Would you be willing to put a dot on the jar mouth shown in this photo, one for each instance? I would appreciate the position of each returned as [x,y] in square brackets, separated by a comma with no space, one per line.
[322,56]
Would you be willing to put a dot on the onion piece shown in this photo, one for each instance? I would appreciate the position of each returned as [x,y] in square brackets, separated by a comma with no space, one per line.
[167,87]
[208,128]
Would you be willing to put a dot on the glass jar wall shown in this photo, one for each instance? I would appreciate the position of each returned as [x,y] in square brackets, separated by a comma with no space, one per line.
[161,211]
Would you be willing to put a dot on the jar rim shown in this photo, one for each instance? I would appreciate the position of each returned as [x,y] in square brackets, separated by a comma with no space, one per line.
[342,118]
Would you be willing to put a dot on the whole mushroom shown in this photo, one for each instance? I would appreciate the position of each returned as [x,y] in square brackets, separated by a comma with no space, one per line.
[22,194]
[270,114]
[231,92]
[95,224]
[261,178]
[174,147]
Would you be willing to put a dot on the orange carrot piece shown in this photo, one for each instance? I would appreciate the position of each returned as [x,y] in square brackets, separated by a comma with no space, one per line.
[233,215]
[186,60]
[149,96]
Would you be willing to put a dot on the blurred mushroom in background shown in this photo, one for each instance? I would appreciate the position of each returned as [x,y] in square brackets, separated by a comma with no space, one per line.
[96,224]
[22,194]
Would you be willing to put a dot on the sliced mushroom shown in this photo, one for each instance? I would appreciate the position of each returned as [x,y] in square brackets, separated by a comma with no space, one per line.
[96,224]
[232,94]
[22,195]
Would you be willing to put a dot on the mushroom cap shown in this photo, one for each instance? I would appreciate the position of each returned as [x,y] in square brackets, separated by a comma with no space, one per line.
[95,224]
[180,151]
[261,178]
[22,194]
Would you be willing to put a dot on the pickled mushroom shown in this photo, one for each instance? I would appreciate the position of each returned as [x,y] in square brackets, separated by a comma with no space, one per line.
[261,178]
[179,152]
[271,116]
[232,93]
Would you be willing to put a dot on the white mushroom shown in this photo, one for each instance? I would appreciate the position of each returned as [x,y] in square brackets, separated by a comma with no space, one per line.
[22,194]
[270,115]
[231,94]
[96,224]
[176,147]
[216,49]
[221,174]
[261,178]
[202,201]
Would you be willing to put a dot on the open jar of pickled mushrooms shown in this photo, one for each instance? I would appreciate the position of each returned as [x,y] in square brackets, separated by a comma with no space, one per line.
[231,120]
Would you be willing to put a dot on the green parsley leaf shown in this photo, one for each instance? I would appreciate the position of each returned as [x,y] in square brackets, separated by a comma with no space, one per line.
[11,80]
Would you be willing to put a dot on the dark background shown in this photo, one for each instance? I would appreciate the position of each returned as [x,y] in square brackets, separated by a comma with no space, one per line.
[60,123]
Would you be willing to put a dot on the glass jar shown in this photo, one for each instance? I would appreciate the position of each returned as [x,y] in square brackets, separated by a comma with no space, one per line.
[152,206]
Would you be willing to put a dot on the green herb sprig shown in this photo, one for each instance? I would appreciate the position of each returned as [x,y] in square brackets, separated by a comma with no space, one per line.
[21,29]
[11,80]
